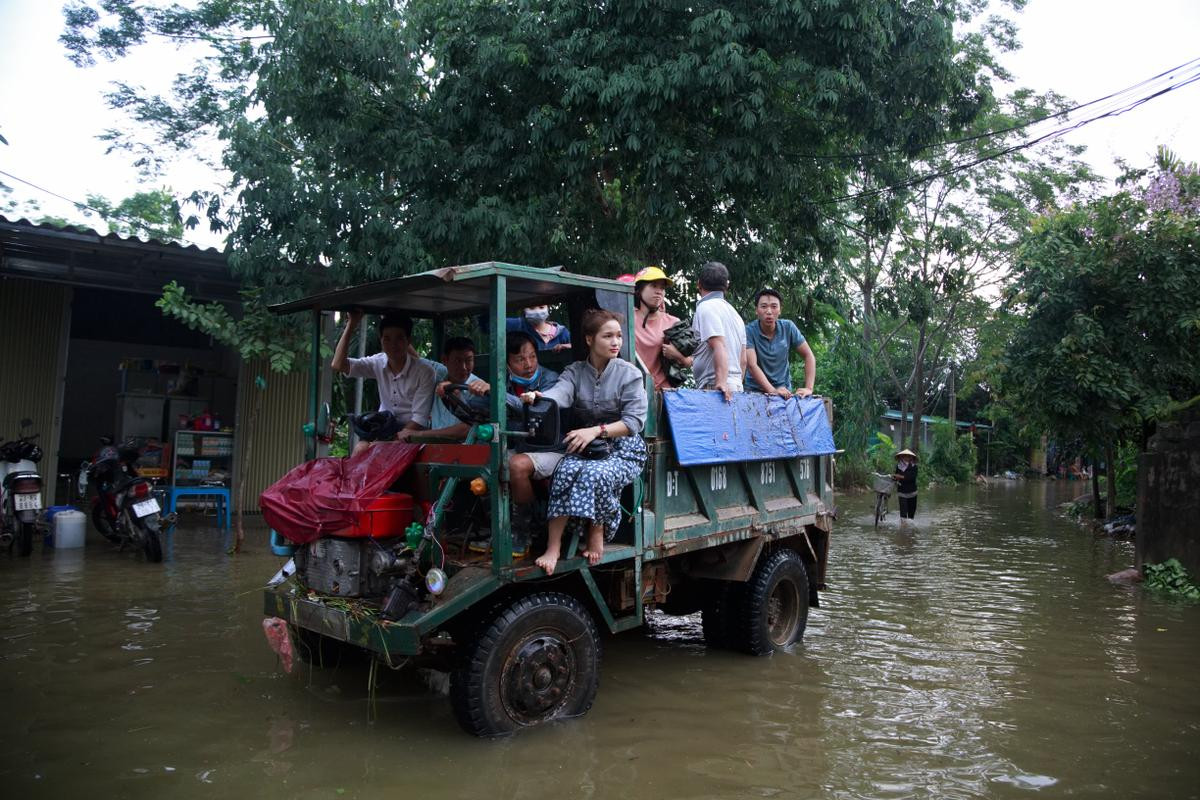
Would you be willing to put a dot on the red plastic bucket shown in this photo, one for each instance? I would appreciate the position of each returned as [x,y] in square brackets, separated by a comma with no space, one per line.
[386,516]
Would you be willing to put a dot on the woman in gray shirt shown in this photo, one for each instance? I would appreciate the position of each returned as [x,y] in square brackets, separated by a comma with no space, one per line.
[607,398]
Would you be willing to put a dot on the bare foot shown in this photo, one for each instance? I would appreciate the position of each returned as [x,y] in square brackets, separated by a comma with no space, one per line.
[548,561]
[595,547]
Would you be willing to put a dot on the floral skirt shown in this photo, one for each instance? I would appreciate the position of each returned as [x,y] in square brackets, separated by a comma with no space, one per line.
[591,488]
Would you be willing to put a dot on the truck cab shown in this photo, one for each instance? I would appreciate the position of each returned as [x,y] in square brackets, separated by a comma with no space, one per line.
[730,518]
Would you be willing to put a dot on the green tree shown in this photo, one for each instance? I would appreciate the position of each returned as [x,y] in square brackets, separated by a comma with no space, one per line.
[1111,295]
[921,260]
[379,138]
[152,214]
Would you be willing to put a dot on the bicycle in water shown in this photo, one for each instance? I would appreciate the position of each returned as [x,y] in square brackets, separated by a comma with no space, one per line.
[884,485]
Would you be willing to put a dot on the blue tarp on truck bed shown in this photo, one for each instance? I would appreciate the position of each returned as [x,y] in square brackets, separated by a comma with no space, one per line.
[754,427]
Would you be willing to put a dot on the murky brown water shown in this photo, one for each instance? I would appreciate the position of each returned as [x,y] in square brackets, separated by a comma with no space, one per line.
[981,655]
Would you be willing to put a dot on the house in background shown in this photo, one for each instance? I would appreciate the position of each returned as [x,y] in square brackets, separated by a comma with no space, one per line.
[889,423]
[86,353]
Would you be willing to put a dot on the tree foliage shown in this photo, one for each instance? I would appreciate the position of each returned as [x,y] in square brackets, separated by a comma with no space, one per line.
[152,214]
[922,265]
[378,138]
[1111,291]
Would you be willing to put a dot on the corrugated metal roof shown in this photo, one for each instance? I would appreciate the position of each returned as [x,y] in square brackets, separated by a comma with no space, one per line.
[87,258]
[457,290]
[892,413]
[92,232]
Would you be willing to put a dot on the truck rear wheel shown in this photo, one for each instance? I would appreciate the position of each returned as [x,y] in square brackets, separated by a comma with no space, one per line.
[775,606]
[532,660]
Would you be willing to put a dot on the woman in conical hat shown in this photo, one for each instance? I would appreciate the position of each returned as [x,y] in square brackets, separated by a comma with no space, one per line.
[906,478]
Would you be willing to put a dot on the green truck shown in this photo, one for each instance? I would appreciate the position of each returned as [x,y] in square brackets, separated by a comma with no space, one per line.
[743,542]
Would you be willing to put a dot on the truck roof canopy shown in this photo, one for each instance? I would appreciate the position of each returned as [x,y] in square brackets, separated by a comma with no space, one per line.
[456,291]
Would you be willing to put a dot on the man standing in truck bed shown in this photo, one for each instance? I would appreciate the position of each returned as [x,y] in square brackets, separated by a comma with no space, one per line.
[717,362]
[770,340]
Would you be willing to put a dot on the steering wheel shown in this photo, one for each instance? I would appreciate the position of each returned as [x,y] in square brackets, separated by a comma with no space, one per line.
[459,407]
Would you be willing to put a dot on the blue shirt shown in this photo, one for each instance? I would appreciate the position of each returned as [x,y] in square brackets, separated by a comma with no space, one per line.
[442,416]
[773,353]
[520,324]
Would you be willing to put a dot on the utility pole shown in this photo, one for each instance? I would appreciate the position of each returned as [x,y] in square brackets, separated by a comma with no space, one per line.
[953,401]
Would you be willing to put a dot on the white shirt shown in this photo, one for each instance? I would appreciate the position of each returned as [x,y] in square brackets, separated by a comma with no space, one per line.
[715,317]
[407,394]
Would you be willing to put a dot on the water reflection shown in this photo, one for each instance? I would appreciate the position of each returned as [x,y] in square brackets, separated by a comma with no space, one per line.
[979,653]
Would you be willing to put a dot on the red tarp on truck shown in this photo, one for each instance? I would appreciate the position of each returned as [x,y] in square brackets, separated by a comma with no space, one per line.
[326,496]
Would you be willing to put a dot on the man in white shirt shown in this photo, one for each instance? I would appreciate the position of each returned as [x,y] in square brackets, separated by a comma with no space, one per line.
[718,361]
[405,383]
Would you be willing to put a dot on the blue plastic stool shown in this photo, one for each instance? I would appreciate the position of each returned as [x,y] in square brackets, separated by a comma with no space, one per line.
[224,515]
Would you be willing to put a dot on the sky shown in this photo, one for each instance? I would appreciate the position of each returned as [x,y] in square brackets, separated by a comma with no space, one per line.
[52,111]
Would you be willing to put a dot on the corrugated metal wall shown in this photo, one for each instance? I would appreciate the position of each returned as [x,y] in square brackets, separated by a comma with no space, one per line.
[275,438]
[34,319]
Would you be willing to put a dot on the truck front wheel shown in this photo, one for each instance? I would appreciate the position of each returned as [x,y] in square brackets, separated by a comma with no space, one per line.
[531,661]
[775,604]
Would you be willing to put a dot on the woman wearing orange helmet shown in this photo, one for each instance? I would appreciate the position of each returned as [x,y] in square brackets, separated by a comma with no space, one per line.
[651,321]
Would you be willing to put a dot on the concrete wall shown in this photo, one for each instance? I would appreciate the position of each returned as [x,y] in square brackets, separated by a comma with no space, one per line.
[1168,504]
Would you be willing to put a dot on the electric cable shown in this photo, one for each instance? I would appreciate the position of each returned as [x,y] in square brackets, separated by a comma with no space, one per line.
[974,162]
[1009,129]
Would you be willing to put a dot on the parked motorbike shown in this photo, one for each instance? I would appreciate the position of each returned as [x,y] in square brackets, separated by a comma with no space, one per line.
[124,510]
[20,490]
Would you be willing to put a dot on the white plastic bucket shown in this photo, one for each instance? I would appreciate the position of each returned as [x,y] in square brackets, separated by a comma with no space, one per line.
[69,529]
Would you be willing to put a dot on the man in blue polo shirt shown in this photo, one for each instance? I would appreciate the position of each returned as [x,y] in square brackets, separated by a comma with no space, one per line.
[770,341]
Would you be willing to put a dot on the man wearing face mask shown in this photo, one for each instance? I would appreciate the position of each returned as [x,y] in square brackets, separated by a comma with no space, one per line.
[535,323]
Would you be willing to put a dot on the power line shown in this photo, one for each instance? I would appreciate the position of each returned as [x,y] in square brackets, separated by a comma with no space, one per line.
[1015,127]
[1058,132]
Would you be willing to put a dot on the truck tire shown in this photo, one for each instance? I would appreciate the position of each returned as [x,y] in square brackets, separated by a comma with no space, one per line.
[532,660]
[775,606]
[721,614]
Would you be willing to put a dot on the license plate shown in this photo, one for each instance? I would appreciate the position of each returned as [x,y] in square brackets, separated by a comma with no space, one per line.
[146,507]
[27,502]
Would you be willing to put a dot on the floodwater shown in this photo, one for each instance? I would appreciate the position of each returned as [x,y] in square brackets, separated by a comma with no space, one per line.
[981,654]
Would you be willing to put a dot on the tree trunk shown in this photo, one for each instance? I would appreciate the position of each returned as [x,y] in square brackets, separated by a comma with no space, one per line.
[1110,475]
[918,392]
[244,468]
[903,422]
[1096,512]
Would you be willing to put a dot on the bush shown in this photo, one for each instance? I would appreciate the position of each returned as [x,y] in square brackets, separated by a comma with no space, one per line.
[953,457]
[1125,473]
[1171,578]
[845,374]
